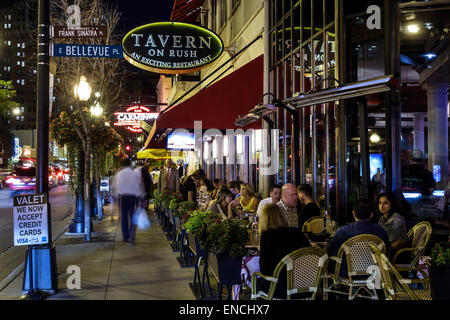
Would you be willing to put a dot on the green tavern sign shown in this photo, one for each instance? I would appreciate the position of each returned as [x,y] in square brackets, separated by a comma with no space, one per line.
[171,47]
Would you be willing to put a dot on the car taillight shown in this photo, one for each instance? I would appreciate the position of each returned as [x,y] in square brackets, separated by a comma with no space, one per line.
[60,174]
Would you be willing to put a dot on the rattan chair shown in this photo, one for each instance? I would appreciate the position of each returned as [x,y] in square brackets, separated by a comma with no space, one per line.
[359,263]
[396,287]
[305,268]
[314,225]
[418,236]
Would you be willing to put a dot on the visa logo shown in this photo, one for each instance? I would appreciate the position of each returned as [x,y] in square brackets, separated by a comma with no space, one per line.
[22,240]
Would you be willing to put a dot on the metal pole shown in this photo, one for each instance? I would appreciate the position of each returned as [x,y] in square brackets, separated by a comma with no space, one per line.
[46,269]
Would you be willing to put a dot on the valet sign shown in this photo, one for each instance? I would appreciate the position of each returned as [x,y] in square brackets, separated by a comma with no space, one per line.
[132,117]
[30,219]
[171,47]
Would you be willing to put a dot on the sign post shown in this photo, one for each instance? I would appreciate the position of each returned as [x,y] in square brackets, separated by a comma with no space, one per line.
[40,267]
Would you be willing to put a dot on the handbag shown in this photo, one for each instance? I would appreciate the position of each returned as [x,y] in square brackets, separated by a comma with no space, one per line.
[140,219]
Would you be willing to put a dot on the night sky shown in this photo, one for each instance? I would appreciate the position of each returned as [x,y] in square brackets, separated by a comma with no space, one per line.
[139,12]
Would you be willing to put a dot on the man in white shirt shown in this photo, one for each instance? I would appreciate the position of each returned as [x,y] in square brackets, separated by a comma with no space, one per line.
[275,196]
[128,188]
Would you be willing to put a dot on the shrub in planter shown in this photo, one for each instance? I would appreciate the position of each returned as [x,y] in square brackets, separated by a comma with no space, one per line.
[227,239]
[198,223]
[440,271]
[184,207]
[156,198]
[167,196]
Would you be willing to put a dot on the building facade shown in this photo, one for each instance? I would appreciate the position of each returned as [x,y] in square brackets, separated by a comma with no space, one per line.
[351,93]
[18,58]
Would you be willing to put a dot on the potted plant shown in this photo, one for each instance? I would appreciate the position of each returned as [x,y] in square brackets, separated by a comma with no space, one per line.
[183,207]
[197,224]
[227,239]
[440,271]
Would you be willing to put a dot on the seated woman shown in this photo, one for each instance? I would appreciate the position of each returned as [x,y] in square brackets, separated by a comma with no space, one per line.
[277,240]
[247,200]
[392,222]
[220,204]
[190,183]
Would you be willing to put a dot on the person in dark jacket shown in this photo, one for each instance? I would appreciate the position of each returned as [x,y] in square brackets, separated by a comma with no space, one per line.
[277,240]
[362,213]
[309,207]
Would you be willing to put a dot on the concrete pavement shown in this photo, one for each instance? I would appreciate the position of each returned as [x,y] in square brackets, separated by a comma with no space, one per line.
[112,270]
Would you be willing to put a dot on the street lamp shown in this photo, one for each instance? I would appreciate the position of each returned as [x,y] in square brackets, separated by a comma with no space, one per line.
[96,110]
[82,92]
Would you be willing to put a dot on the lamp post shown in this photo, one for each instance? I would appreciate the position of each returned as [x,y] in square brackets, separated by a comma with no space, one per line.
[40,266]
[81,223]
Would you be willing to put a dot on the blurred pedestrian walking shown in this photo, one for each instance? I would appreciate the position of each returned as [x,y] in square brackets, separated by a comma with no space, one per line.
[129,189]
[145,179]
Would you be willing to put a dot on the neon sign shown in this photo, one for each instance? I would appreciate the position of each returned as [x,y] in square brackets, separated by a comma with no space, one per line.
[132,117]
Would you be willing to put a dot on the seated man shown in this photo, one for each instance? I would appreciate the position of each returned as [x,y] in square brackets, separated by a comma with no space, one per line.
[309,207]
[275,196]
[362,214]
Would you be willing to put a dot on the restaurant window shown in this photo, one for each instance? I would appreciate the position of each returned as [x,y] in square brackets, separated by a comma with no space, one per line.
[303,59]
[213,15]
[223,13]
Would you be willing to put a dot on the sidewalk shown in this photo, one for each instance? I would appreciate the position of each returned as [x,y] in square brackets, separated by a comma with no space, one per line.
[113,270]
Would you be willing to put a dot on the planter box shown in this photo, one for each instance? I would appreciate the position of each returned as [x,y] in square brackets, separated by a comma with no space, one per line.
[229,269]
[440,283]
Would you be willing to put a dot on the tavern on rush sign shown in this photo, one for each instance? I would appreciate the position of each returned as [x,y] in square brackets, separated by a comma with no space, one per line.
[171,47]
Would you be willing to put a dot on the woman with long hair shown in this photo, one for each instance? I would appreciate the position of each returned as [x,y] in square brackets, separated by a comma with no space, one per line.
[277,240]
[392,221]
[247,200]
[220,204]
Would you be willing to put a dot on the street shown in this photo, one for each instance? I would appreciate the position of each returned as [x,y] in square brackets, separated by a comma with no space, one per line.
[62,203]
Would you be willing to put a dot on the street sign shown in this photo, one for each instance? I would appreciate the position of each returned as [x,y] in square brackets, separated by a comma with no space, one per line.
[30,219]
[86,51]
[81,32]
[104,184]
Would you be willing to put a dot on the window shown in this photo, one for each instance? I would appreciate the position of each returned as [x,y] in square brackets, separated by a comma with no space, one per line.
[213,14]
[223,13]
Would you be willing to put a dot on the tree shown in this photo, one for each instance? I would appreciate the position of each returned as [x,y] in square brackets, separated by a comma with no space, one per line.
[105,76]
[7,94]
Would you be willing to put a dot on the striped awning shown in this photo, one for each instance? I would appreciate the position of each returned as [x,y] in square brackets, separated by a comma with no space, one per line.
[186,10]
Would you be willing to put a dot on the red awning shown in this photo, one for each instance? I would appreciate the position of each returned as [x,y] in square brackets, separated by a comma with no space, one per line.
[219,105]
[186,10]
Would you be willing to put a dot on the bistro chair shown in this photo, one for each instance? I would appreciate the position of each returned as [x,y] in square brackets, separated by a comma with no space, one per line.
[418,237]
[396,287]
[359,263]
[304,271]
[314,225]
